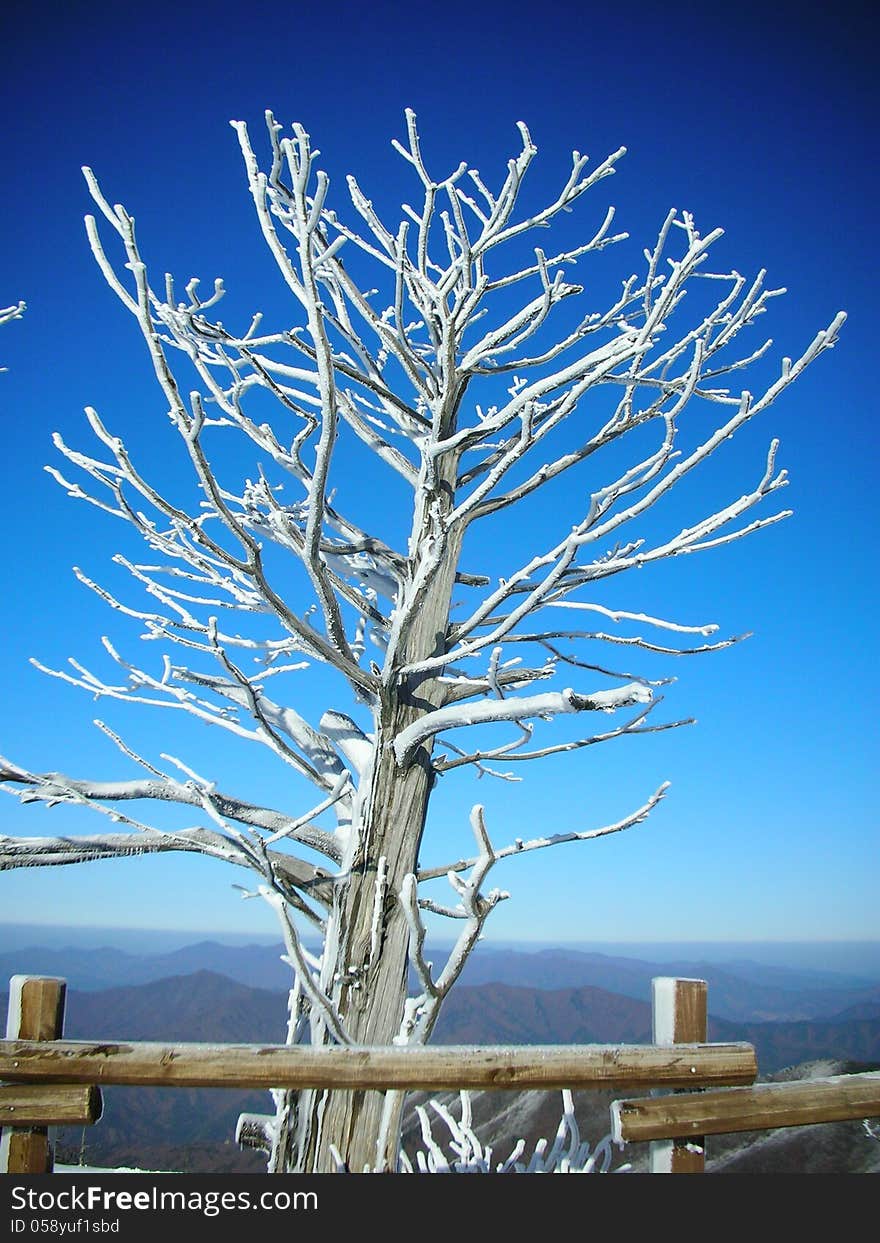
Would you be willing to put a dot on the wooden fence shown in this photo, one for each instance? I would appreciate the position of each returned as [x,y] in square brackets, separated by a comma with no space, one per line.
[48,1081]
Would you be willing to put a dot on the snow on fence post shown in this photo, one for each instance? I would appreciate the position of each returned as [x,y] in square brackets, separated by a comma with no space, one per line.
[680,1016]
[35,1012]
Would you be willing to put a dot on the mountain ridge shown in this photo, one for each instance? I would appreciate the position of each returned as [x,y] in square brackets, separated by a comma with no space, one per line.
[758,993]
[207,1006]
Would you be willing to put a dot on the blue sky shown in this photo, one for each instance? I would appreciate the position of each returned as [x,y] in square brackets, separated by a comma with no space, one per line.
[765,127]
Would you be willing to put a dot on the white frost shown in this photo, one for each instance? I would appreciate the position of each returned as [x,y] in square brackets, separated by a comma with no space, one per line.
[551,703]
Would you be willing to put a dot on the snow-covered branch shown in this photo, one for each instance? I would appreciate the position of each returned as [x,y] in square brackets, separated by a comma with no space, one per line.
[292,873]
[568,1153]
[518,708]
[324,1012]
[512,752]
[474,907]
[520,847]
[56,788]
[12,312]
[8,313]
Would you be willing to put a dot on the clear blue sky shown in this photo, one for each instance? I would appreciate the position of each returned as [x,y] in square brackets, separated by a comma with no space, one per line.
[763,125]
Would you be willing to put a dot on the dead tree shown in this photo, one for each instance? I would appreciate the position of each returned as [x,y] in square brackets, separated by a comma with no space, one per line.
[456,373]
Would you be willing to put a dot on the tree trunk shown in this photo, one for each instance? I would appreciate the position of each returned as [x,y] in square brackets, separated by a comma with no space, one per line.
[367,957]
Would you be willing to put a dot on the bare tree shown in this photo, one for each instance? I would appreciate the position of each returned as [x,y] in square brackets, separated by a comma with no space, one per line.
[401,369]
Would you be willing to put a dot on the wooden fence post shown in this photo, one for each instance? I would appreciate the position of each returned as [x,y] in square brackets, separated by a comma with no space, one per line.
[36,1012]
[680,1016]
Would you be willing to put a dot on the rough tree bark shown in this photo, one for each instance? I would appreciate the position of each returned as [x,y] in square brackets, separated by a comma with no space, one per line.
[392,812]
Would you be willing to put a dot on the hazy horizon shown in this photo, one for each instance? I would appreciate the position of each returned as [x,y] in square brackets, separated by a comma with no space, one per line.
[852,956]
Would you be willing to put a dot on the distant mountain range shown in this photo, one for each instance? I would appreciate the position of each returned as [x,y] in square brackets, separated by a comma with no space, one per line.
[740,991]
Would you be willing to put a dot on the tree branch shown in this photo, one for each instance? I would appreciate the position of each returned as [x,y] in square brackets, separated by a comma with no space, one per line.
[520,847]
[552,703]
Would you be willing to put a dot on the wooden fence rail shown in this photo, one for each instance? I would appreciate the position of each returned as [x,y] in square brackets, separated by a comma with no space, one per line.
[28,1105]
[838,1098]
[48,1081]
[426,1068]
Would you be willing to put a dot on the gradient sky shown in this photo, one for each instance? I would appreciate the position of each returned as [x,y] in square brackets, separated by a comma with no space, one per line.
[765,126]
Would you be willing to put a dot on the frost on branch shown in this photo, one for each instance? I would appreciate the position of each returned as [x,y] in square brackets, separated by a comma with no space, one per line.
[518,709]
[460,1151]
[452,350]
[11,312]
